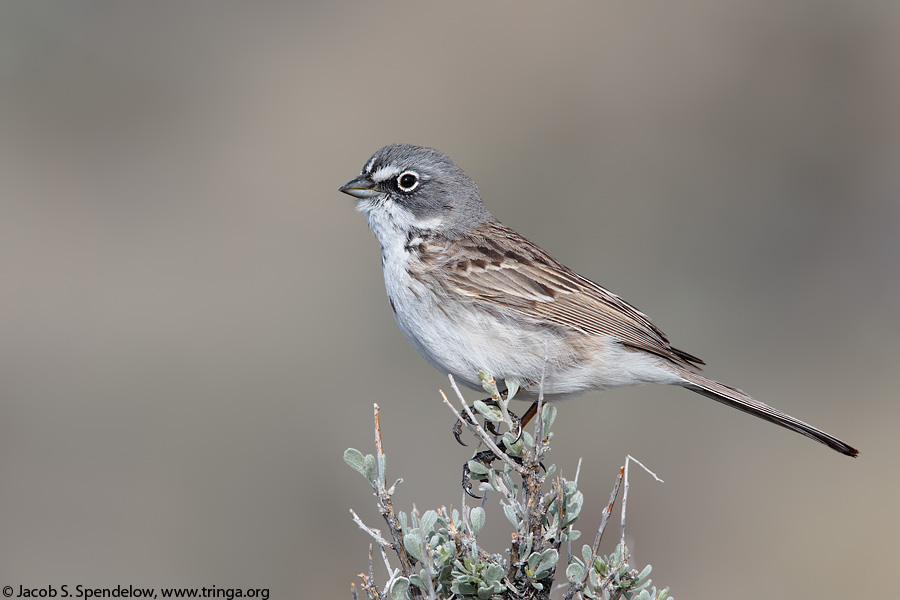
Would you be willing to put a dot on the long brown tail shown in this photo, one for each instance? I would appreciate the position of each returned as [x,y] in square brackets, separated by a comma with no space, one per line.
[737,399]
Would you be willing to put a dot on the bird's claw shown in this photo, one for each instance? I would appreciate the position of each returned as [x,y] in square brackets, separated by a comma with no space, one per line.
[489,426]
[457,427]
[486,458]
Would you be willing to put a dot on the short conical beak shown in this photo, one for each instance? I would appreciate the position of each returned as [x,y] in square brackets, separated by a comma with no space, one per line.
[361,187]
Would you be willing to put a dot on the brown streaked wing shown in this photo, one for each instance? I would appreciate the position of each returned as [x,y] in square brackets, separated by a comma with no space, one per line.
[496,264]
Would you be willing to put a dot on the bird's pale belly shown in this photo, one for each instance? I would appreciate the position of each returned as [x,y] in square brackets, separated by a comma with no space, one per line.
[467,339]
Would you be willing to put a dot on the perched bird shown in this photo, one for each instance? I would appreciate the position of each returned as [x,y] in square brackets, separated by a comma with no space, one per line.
[471,294]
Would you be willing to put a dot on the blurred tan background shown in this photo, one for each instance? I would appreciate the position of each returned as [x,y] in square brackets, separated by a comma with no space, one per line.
[194,325]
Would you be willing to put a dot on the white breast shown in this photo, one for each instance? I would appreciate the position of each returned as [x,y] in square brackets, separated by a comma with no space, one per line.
[415,307]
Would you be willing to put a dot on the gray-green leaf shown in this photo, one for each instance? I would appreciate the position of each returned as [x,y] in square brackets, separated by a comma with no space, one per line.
[476,518]
[488,412]
[586,553]
[493,574]
[370,473]
[512,386]
[399,588]
[574,572]
[413,545]
[477,468]
[355,459]
[428,521]
[548,561]
[548,418]
[510,511]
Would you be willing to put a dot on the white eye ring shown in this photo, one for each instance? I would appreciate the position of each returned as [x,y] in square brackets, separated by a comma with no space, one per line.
[407,186]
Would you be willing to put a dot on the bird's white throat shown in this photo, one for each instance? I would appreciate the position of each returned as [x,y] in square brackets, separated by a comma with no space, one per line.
[392,222]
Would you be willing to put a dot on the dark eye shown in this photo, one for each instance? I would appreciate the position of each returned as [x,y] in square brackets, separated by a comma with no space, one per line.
[407,181]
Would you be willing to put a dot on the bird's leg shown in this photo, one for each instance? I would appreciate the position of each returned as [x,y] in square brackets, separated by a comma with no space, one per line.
[489,425]
[486,459]
[457,427]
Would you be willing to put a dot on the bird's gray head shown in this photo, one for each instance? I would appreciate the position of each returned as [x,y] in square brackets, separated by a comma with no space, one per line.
[404,188]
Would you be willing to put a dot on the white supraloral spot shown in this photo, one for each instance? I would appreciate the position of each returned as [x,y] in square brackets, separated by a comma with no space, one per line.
[385,173]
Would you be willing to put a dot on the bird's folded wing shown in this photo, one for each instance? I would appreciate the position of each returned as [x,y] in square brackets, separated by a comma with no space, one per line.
[499,266]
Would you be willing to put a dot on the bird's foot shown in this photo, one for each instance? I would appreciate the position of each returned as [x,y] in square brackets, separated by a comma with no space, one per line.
[490,409]
[477,467]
